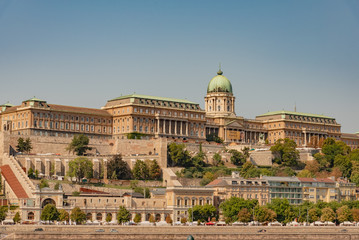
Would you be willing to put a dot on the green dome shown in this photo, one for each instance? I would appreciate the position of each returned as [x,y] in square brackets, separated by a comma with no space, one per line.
[219,84]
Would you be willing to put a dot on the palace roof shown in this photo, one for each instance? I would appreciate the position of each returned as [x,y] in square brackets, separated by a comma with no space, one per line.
[294,113]
[153,98]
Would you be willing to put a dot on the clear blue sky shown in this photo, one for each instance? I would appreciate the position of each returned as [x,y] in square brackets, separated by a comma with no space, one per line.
[275,53]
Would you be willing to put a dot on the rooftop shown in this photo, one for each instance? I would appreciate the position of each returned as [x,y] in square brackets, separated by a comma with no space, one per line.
[293,113]
[153,98]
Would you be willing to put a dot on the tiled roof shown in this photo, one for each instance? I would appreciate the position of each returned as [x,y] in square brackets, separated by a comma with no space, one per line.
[86,190]
[325,180]
[217,183]
[302,179]
[14,183]
[78,110]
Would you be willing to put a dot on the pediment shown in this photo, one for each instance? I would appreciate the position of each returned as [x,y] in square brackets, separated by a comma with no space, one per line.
[234,124]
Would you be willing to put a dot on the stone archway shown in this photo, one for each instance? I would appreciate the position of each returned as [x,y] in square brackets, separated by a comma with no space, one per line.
[48,201]
[89,216]
[158,217]
[30,216]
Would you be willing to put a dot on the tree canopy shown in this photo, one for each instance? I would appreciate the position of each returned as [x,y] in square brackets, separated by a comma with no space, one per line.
[49,213]
[178,156]
[24,145]
[285,152]
[140,171]
[80,167]
[77,215]
[79,144]
[118,169]
[202,212]
[123,215]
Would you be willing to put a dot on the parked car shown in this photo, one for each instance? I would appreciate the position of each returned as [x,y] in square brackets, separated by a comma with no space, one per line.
[99,230]
[39,230]
[113,231]
[276,223]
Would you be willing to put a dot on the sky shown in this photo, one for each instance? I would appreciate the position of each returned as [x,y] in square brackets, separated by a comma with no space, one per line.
[278,54]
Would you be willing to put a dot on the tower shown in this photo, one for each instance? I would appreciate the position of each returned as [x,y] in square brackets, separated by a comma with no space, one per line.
[219,100]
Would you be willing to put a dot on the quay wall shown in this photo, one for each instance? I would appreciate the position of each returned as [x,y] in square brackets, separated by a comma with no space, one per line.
[180,233]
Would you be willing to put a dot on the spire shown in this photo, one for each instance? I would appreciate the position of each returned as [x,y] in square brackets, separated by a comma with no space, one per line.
[295,106]
[220,70]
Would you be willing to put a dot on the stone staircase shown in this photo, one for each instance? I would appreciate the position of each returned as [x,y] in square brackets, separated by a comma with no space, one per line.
[19,173]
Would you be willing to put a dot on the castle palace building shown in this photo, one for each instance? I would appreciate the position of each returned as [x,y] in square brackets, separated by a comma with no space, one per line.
[159,117]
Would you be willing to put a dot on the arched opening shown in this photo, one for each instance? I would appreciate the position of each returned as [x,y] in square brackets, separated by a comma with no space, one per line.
[89,216]
[99,216]
[148,215]
[30,216]
[158,217]
[48,201]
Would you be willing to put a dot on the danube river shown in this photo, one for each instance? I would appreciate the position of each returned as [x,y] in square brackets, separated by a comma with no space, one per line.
[177,233]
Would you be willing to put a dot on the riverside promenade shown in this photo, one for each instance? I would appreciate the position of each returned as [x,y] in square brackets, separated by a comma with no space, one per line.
[178,233]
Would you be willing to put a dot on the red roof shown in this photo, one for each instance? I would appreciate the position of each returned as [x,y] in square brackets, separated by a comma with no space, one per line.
[13,182]
[86,190]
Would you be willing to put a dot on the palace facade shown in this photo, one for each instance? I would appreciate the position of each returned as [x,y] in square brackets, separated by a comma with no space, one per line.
[159,117]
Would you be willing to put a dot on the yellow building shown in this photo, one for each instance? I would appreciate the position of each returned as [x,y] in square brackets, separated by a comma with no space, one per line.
[319,189]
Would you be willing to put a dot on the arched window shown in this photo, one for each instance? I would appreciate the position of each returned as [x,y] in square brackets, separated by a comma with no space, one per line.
[99,216]
[30,216]
[89,216]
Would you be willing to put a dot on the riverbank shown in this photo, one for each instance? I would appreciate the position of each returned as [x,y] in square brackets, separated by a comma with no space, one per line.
[178,233]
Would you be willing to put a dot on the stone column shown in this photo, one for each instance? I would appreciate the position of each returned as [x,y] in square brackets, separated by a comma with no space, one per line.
[164,126]
[94,216]
[27,164]
[96,168]
[58,171]
[66,166]
[187,129]
[170,127]
[175,127]
[143,217]
[163,217]
[38,165]
[114,216]
[158,126]
[47,167]
[305,138]
[181,128]
[104,216]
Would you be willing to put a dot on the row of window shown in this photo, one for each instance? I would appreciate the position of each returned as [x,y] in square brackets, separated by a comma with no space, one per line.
[70,126]
[167,112]
[169,104]
[70,117]
[312,119]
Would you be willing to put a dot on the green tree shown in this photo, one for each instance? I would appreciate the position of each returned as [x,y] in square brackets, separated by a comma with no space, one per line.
[137,218]
[280,206]
[24,145]
[64,215]
[140,171]
[178,156]
[331,148]
[79,144]
[213,138]
[123,215]
[285,152]
[344,164]
[245,152]
[344,214]
[244,215]
[44,183]
[141,190]
[263,214]
[314,214]
[77,215]
[17,218]
[108,217]
[30,173]
[80,167]
[237,158]
[248,170]
[151,219]
[202,212]
[3,213]
[155,170]
[327,215]
[57,186]
[118,169]
[49,213]
[217,160]
[355,214]
[305,174]
[233,205]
